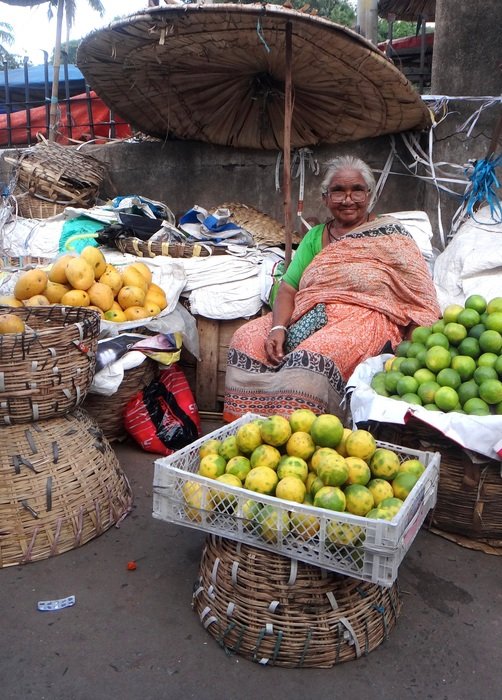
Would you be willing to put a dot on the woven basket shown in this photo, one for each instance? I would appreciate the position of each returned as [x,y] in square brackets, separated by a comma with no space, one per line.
[47,370]
[32,207]
[281,612]
[58,174]
[108,411]
[150,249]
[60,486]
[469,498]
[265,230]
[23,262]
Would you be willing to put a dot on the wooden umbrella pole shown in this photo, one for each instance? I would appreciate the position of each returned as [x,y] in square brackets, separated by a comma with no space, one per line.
[288,109]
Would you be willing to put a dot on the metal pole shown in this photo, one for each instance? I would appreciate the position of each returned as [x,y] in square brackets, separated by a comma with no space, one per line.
[8,105]
[423,38]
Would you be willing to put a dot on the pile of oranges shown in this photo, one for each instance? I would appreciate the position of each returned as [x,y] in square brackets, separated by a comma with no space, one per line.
[307,459]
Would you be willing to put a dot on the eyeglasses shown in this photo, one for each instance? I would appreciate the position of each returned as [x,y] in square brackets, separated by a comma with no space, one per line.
[339,196]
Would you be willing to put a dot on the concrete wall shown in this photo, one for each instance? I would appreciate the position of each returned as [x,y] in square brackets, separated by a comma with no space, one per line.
[182,174]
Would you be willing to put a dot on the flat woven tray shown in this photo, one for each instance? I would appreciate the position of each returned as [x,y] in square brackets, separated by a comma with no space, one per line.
[47,370]
[108,411]
[265,230]
[469,497]
[281,612]
[150,249]
[61,485]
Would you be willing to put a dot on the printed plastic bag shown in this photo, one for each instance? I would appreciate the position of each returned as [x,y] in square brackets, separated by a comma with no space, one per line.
[163,417]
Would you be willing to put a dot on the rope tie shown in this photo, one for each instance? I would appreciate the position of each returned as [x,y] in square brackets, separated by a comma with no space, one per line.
[352,637]
[293,572]
[215,569]
[306,645]
[221,639]
[482,188]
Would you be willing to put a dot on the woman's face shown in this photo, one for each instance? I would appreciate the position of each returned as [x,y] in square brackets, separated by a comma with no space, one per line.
[348,198]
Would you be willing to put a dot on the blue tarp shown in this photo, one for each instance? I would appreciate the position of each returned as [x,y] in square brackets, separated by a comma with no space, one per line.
[37,88]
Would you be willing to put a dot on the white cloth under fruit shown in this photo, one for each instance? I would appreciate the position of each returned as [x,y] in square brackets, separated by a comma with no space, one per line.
[477,433]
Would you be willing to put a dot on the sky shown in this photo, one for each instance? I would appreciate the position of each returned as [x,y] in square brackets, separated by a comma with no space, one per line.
[34,33]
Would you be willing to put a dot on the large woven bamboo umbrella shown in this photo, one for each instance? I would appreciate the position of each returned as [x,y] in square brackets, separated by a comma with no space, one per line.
[249,76]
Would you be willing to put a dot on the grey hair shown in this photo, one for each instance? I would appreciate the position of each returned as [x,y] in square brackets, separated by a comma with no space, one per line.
[349,163]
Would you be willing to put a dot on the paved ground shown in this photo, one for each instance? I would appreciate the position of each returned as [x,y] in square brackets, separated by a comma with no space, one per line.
[133,635]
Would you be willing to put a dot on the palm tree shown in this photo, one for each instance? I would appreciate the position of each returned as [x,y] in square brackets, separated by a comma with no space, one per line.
[67,7]
[6,39]
[63,7]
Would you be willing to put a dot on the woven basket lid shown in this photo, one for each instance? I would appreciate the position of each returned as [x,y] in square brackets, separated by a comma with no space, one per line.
[216,73]
[408,10]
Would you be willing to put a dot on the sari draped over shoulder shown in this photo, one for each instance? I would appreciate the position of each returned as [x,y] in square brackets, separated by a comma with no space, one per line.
[373,283]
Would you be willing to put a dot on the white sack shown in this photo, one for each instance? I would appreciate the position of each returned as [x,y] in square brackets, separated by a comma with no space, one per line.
[471,263]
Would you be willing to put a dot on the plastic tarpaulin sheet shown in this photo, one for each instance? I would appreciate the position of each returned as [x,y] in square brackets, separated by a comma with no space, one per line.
[77,115]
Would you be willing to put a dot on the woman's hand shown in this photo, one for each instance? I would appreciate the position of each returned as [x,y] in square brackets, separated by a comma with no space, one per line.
[274,345]
[283,309]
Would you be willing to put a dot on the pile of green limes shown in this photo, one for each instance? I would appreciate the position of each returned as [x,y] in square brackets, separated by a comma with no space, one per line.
[453,365]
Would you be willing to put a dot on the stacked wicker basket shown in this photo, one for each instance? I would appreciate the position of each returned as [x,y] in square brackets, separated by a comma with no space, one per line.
[281,612]
[108,411]
[469,500]
[60,481]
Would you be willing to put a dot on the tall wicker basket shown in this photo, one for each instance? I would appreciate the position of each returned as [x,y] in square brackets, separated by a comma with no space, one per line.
[281,612]
[47,370]
[469,499]
[61,485]
[108,411]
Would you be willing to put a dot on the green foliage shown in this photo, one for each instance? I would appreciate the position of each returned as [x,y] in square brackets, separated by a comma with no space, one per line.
[399,29]
[70,49]
[340,11]
[7,39]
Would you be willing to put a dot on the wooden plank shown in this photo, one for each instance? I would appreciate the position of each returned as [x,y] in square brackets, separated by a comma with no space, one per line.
[207,368]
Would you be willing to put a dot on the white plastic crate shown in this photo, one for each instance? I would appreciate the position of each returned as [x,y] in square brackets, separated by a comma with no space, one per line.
[364,548]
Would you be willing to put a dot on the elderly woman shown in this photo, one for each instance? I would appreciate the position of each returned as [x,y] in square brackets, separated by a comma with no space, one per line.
[355,283]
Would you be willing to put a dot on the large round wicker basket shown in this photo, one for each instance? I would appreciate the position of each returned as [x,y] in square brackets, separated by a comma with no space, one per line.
[108,411]
[47,370]
[469,498]
[60,486]
[29,206]
[281,612]
[50,177]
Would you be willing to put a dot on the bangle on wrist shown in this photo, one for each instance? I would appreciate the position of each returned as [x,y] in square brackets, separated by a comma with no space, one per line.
[278,328]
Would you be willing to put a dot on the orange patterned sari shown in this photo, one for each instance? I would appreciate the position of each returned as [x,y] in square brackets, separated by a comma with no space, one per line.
[373,282]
